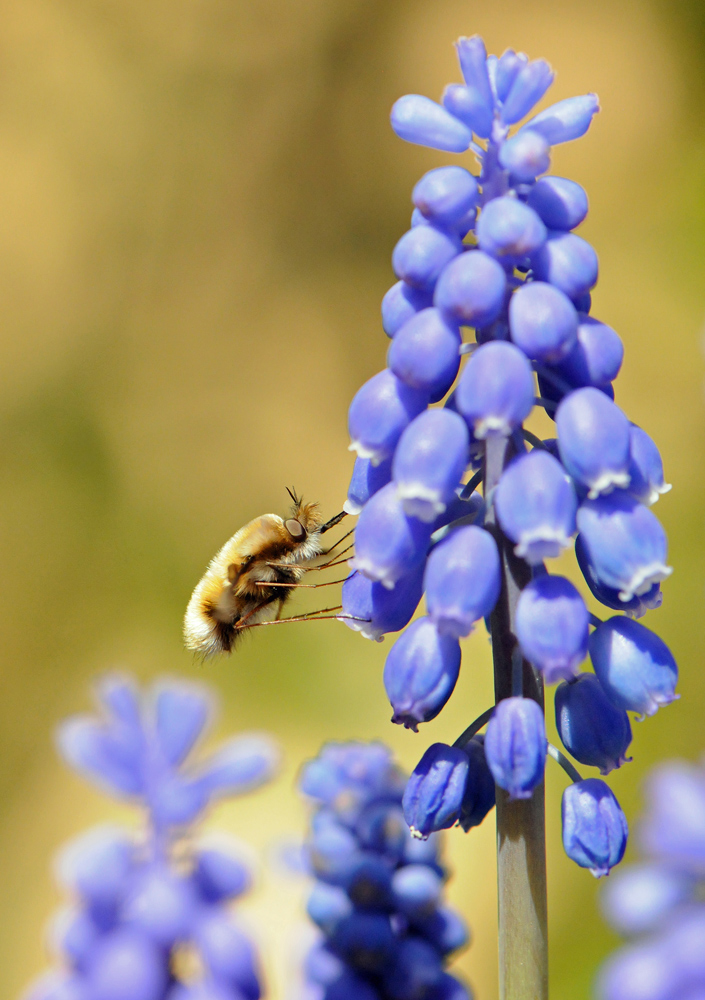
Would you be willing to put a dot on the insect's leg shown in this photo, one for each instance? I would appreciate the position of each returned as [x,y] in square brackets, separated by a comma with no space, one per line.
[333,521]
[336,544]
[299,586]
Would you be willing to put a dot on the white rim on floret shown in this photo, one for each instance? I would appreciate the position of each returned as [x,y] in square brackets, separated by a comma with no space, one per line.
[421,501]
[643,579]
[541,543]
[372,572]
[374,454]
[452,623]
[492,426]
[607,482]
[656,492]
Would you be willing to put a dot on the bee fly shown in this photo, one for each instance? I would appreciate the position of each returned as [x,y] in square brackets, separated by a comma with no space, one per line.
[250,579]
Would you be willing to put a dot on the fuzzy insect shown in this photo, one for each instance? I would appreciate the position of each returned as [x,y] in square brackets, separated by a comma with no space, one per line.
[249,580]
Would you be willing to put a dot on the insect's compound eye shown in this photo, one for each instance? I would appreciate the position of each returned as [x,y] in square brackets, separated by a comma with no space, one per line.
[295,529]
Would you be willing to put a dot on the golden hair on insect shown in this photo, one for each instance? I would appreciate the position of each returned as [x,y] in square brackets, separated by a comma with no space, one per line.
[248,581]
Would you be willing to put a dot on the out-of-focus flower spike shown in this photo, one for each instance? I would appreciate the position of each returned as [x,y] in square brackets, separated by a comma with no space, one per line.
[102,754]
[462,580]
[560,203]
[593,440]
[388,544]
[566,261]
[515,746]
[673,830]
[118,693]
[635,667]
[377,609]
[421,255]
[591,727]
[565,120]
[97,865]
[420,120]
[425,353]
[220,874]
[429,462]
[594,827]
[641,898]
[530,84]
[227,953]
[552,627]
[624,544]
[495,393]
[126,965]
[401,302]
[379,412]
[181,711]
[467,105]
[508,65]
[420,673]
[525,156]
[240,765]
[471,289]
[472,57]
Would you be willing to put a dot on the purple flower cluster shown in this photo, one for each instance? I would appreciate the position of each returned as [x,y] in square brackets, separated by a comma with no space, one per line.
[148,918]
[498,253]
[660,902]
[386,933]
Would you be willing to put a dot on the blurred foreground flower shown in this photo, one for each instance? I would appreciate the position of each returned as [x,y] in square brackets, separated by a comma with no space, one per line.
[660,902]
[148,919]
[385,932]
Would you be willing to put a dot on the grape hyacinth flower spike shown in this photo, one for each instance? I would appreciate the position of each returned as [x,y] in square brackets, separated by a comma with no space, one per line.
[143,899]
[492,274]
[385,932]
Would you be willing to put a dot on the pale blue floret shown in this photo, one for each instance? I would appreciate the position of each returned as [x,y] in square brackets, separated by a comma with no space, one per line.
[596,357]
[515,746]
[419,119]
[471,289]
[592,729]
[379,412]
[425,353]
[566,261]
[462,580]
[496,390]
[445,195]
[422,253]
[420,673]
[559,202]
[401,302]
[594,827]
[429,462]
[635,667]
[509,228]
[543,322]
[373,610]
[365,481]
[566,120]
[388,544]
[525,156]
[593,440]
[552,627]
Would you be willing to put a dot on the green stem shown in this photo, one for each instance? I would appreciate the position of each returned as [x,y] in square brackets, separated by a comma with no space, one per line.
[521,840]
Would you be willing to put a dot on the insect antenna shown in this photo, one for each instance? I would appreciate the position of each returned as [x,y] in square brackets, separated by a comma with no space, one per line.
[292,494]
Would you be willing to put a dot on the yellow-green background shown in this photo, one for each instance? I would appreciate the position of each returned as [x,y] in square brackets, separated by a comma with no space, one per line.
[198,201]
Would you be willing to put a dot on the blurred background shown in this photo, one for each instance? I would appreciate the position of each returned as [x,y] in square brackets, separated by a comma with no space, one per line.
[198,203]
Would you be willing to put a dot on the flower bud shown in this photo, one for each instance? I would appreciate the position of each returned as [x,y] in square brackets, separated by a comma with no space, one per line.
[508,66]
[595,829]
[429,462]
[515,746]
[425,353]
[641,971]
[565,120]
[377,609]
[365,940]
[365,481]
[596,357]
[559,202]
[566,261]
[388,544]
[508,227]
[543,322]
[445,195]
[450,988]
[552,627]
[434,793]
[220,875]
[525,156]
[444,928]
[125,965]
[400,303]
[536,505]
[462,580]
[624,543]
[635,607]
[593,440]
[591,727]
[422,253]
[327,905]
[471,290]
[646,468]
[466,104]
[635,667]
[479,795]
[419,119]
[529,86]
[414,971]
[472,57]
[420,673]
[496,390]
[379,412]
